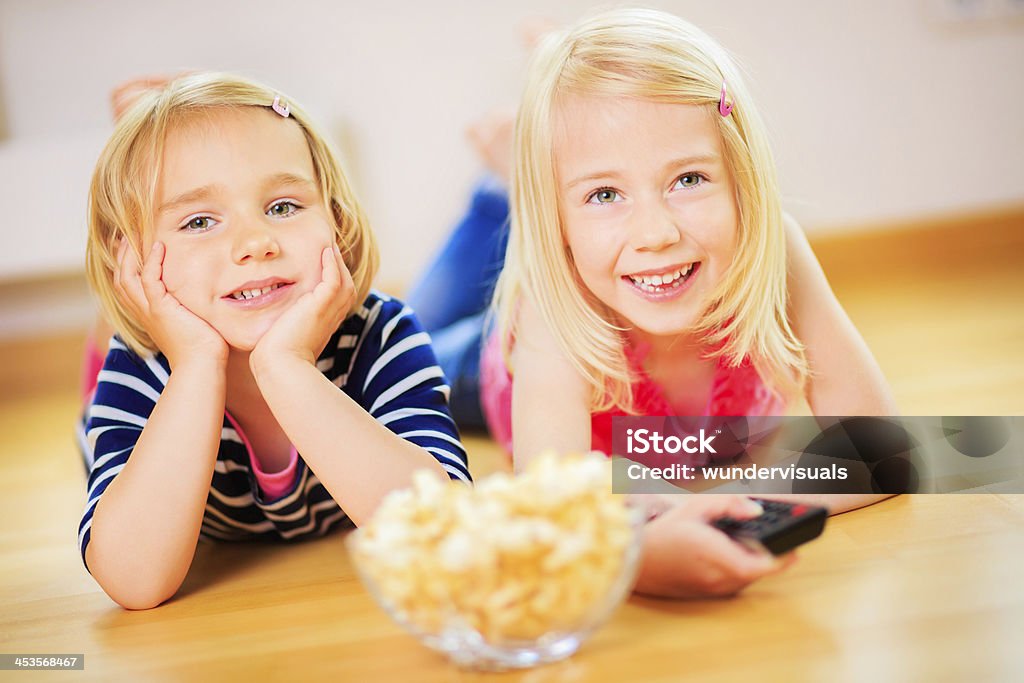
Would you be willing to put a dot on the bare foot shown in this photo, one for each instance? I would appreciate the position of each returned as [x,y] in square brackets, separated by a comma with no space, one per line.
[533,29]
[491,137]
[492,134]
[124,95]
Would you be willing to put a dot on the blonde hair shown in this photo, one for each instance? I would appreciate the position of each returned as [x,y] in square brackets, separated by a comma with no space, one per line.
[125,180]
[649,55]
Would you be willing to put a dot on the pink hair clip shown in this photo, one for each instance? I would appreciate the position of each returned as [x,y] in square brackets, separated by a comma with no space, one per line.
[723,108]
[281,109]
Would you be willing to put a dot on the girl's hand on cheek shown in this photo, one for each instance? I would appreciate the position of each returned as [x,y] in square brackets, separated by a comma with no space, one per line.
[179,333]
[303,330]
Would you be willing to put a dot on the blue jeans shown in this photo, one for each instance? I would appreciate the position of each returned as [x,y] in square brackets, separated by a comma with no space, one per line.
[452,296]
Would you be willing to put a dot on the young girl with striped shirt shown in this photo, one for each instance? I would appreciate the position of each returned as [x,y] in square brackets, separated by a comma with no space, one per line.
[257,386]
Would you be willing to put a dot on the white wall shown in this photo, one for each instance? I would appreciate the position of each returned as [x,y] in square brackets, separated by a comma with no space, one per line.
[879,110]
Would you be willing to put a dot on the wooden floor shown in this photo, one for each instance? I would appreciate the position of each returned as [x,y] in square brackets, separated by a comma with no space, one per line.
[942,310]
[944,316]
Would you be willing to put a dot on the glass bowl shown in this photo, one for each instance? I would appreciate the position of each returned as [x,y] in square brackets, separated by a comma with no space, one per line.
[448,627]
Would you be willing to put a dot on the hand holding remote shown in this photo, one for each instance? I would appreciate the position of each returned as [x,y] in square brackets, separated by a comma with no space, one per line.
[779,529]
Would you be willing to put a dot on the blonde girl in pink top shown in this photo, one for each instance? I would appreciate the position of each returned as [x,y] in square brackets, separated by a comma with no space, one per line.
[650,266]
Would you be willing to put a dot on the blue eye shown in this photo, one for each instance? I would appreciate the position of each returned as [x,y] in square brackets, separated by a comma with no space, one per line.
[605,195]
[282,209]
[198,224]
[688,181]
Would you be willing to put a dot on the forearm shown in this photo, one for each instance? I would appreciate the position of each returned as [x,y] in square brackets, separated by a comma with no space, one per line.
[536,429]
[845,378]
[357,459]
[550,399]
[146,523]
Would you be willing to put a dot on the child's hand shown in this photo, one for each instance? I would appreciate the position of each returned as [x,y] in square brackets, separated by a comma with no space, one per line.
[179,333]
[303,330]
[686,557]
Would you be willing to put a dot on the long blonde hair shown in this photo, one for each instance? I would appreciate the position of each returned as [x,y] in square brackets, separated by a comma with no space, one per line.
[650,55]
[125,180]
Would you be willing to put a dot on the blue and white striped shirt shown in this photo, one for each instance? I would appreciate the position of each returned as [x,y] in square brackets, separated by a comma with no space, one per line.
[380,357]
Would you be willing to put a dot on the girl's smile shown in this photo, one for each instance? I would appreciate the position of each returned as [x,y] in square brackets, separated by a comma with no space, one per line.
[664,284]
[259,294]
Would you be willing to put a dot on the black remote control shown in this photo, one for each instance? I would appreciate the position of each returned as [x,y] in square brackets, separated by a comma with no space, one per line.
[779,529]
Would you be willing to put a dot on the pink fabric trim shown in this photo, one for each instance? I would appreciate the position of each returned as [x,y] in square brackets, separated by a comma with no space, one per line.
[272,484]
[92,363]
[496,392]
[734,391]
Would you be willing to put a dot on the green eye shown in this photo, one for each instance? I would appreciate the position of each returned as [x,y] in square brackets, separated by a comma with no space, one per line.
[604,196]
[689,180]
[282,209]
[198,224]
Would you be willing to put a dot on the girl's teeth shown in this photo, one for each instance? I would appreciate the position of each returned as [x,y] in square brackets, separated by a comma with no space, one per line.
[649,282]
[252,293]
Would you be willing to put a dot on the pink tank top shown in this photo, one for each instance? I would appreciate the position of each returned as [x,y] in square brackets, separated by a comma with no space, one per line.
[734,391]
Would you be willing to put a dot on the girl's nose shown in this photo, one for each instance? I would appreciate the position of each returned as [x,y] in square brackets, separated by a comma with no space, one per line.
[653,228]
[254,241]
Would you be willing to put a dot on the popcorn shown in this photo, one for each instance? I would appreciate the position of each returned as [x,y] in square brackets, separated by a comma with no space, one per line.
[515,558]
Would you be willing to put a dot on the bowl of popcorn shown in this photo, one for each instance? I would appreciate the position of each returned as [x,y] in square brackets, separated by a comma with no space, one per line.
[515,572]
